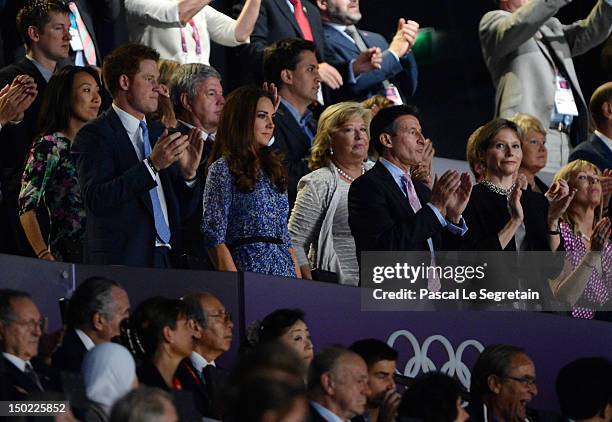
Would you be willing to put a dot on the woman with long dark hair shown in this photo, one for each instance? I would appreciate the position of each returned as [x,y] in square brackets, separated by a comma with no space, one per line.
[71,99]
[245,198]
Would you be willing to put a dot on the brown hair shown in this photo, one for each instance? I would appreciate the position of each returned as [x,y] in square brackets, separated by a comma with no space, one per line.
[37,13]
[487,133]
[235,141]
[165,111]
[125,60]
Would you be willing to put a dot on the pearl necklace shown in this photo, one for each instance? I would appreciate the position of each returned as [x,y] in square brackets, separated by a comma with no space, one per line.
[496,189]
[346,176]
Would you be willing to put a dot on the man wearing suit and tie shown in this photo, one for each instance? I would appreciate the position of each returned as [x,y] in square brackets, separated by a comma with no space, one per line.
[137,182]
[21,326]
[529,55]
[292,66]
[397,77]
[197,99]
[598,150]
[388,211]
[212,337]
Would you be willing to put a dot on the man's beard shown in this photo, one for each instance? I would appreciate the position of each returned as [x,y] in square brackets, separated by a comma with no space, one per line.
[336,16]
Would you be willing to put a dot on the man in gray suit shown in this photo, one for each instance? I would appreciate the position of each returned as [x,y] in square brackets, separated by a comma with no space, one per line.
[529,55]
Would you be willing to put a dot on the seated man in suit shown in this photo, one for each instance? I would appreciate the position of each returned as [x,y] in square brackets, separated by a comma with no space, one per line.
[21,326]
[95,311]
[44,27]
[197,99]
[408,216]
[212,326]
[503,383]
[337,385]
[396,79]
[292,66]
[137,180]
[598,149]
[383,399]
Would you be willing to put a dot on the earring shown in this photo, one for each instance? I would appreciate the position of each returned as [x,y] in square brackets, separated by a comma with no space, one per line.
[331,150]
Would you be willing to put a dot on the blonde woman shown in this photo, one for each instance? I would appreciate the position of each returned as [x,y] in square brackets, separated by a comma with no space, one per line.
[319,221]
[586,280]
[533,143]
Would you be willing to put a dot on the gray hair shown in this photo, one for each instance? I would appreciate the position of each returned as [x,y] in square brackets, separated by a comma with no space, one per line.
[93,295]
[185,79]
[144,404]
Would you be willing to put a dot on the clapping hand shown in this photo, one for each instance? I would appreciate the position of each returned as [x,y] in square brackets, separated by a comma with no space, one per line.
[559,198]
[601,234]
[516,209]
[368,60]
[16,98]
[189,160]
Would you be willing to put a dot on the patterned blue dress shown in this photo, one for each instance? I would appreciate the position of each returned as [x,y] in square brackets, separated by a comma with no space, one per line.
[230,215]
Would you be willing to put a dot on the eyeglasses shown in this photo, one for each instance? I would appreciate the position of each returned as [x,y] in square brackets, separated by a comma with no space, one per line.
[226,317]
[32,324]
[525,381]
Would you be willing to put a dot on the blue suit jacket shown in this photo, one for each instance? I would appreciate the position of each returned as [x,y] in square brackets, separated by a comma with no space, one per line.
[403,73]
[115,187]
[594,151]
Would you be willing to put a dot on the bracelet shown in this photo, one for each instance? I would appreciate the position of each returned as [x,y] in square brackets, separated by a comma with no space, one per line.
[193,179]
[151,166]
[44,253]
[41,251]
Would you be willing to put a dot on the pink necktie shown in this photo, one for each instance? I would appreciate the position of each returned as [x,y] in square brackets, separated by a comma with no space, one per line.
[433,282]
[89,50]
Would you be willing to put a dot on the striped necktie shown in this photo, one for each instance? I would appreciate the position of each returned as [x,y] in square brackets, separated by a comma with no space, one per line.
[89,50]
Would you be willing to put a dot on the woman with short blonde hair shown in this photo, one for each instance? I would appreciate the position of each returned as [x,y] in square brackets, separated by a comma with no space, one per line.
[319,221]
[533,143]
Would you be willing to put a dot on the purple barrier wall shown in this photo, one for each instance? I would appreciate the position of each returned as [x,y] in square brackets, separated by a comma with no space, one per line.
[447,341]
[45,281]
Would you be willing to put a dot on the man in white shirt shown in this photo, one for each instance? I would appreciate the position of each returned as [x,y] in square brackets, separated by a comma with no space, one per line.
[337,385]
[137,181]
[598,149]
[181,30]
[95,312]
[21,327]
[212,326]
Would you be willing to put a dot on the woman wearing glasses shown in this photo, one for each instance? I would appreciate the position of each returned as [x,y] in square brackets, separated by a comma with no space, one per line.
[535,154]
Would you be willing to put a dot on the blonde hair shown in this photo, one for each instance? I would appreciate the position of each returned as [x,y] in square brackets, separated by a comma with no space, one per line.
[566,172]
[330,121]
[165,110]
[527,123]
[472,155]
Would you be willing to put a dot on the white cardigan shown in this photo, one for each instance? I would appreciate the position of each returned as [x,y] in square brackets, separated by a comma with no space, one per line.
[155,23]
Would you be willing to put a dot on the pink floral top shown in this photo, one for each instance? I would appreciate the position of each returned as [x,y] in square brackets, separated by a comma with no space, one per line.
[599,287]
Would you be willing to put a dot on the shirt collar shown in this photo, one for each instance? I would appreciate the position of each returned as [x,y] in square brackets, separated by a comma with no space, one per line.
[129,122]
[18,362]
[302,121]
[340,27]
[327,414]
[87,341]
[605,139]
[199,362]
[46,73]
[395,171]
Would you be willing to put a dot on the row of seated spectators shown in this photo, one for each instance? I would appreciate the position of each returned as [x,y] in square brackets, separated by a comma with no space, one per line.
[161,363]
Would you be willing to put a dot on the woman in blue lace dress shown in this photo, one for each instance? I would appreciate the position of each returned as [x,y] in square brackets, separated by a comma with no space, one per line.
[245,198]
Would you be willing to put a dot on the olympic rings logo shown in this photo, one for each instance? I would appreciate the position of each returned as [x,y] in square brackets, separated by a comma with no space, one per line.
[421,362]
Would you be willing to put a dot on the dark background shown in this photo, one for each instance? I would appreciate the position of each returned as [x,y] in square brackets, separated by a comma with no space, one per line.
[455,93]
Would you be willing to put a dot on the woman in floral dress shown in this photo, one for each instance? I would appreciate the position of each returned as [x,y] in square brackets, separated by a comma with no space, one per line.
[49,183]
[245,198]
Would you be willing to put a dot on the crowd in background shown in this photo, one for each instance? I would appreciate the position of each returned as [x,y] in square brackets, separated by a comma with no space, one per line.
[160,362]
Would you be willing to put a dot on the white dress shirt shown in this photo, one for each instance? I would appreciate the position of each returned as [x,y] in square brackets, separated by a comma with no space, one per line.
[18,362]
[85,339]
[199,362]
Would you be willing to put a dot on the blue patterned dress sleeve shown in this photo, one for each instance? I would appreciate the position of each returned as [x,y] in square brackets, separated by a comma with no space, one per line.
[217,201]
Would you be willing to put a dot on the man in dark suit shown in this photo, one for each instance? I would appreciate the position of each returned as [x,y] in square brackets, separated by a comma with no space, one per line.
[95,311]
[292,66]
[44,27]
[598,149]
[212,337]
[408,216]
[337,385]
[21,326]
[197,99]
[383,399]
[397,77]
[502,385]
[137,181]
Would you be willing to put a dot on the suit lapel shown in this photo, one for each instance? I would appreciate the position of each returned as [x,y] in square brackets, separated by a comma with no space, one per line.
[291,126]
[341,39]
[602,148]
[127,155]
[390,185]
[284,8]
[18,378]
